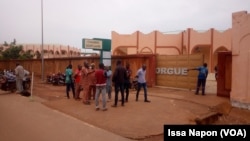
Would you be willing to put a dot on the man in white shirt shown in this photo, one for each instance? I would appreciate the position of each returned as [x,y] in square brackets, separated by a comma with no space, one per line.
[19,72]
[141,74]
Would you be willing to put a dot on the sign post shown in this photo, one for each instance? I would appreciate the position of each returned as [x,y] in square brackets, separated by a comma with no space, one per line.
[103,45]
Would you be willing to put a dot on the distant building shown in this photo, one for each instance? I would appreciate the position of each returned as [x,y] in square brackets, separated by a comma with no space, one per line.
[50,51]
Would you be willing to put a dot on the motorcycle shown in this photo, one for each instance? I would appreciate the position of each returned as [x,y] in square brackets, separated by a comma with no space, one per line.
[134,84]
[49,78]
[58,79]
[26,83]
[8,83]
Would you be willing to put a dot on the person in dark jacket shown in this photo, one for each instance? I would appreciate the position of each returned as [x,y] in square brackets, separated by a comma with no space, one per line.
[119,79]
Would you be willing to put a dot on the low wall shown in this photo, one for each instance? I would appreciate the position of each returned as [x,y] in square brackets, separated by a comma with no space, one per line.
[59,64]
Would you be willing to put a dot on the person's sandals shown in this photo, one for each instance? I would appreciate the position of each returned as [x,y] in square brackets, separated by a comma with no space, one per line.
[86,103]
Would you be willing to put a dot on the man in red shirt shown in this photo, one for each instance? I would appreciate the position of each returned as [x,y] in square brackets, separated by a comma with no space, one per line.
[100,75]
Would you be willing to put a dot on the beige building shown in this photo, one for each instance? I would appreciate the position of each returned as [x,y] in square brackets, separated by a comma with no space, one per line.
[188,41]
[51,51]
[240,92]
[210,43]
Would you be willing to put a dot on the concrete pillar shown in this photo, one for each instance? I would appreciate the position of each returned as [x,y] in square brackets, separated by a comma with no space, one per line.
[240,93]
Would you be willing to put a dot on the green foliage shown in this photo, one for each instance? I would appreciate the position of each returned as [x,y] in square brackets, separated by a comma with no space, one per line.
[26,55]
[1,49]
[38,55]
[15,52]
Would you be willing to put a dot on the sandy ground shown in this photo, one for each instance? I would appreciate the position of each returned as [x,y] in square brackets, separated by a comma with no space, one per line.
[140,120]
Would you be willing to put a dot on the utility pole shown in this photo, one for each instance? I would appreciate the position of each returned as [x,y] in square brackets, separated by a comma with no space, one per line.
[42,53]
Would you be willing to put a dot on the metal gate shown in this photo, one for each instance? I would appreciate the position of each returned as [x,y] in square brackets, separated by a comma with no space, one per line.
[171,70]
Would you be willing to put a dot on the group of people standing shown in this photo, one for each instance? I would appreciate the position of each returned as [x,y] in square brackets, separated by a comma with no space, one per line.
[86,79]
[94,82]
[17,80]
[121,79]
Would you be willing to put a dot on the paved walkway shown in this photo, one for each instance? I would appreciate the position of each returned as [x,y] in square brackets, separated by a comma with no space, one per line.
[25,120]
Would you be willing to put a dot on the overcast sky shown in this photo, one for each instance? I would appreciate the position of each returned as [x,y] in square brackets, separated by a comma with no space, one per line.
[67,22]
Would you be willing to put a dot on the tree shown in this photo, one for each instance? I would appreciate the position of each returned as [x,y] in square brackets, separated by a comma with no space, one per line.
[26,55]
[15,52]
[38,55]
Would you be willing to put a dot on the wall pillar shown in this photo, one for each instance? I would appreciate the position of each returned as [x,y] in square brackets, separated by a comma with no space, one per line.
[240,94]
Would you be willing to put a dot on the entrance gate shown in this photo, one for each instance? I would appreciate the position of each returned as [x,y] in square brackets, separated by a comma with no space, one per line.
[224,73]
[171,70]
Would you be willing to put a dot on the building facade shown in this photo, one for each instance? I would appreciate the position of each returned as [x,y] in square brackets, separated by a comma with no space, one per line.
[50,50]
[189,41]
[210,43]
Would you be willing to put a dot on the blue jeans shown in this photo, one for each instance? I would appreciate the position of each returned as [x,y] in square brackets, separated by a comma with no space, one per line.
[109,90]
[201,83]
[100,90]
[144,85]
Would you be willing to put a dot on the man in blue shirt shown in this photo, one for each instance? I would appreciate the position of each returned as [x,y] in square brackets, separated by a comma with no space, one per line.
[202,77]
[69,81]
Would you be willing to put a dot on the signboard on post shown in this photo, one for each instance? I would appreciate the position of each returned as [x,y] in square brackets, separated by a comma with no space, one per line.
[103,45]
[92,44]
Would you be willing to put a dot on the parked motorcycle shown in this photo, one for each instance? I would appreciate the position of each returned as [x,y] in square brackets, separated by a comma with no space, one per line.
[49,78]
[58,79]
[134,84]
[8,82]
[26,83]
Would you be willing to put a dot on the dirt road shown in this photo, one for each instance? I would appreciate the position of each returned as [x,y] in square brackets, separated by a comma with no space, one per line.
[140,120]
